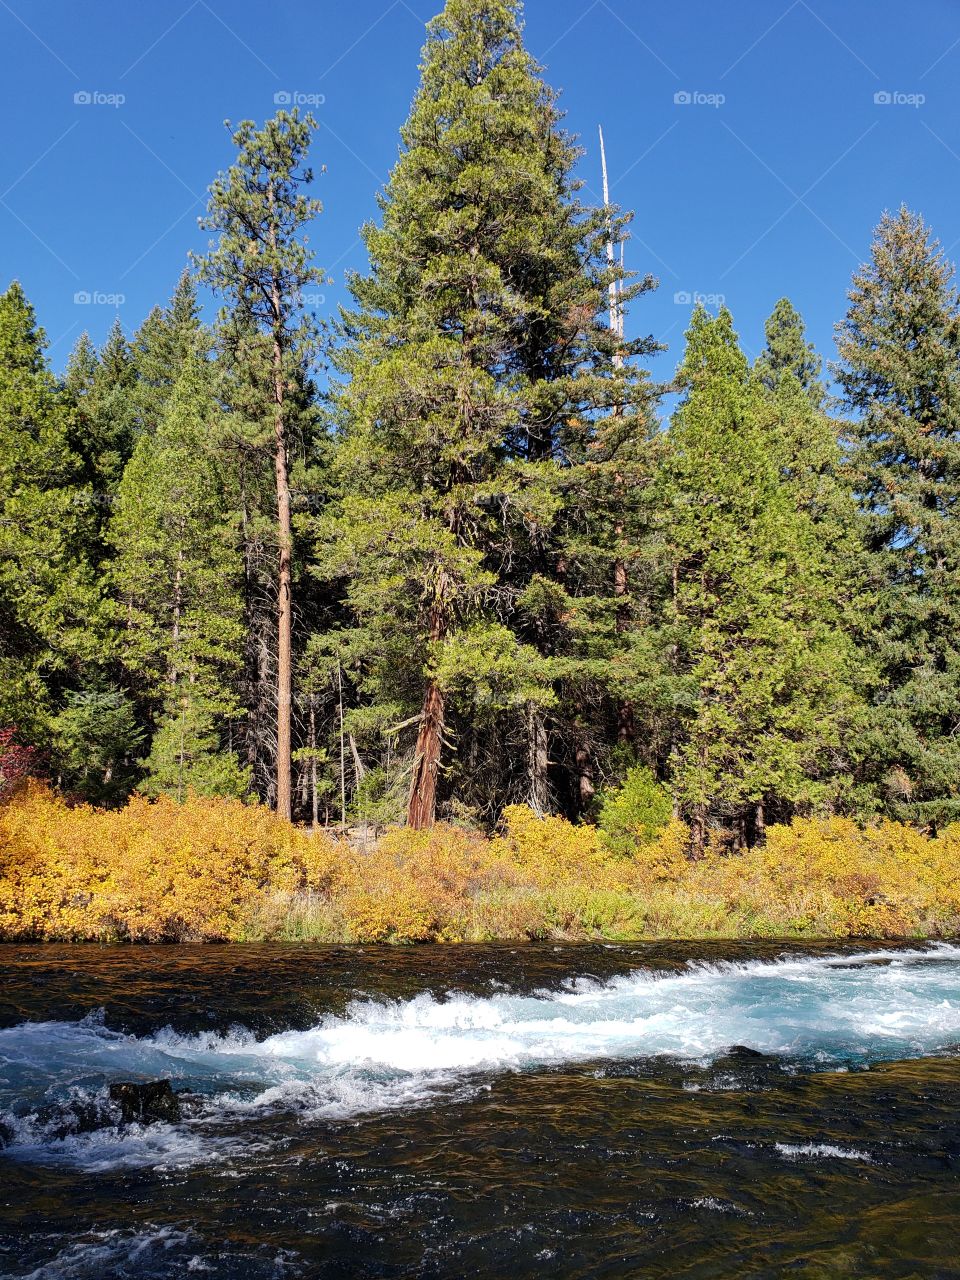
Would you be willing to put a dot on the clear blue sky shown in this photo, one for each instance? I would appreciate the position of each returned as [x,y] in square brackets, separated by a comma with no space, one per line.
[772,190]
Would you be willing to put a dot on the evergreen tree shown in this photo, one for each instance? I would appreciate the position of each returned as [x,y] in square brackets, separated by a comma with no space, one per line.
[900,374]
[787,353]
[168,338]
[100,388]
[477,362]
[807,442]
[762,664]
[97,738]
[50,608]
[178,575]
[261,263]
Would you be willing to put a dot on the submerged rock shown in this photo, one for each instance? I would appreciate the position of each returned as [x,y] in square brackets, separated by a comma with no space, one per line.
[146,1102]
[745,1054]
[59,1120]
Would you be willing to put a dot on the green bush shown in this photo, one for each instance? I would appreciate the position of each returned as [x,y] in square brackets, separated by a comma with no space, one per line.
[635,812]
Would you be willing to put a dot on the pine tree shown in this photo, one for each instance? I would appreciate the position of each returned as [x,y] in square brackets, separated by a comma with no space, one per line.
[168,338]
[762,662]
[100,387]
[97,739]
[477,360]
[50,608]
[787,353]
[900,374]
[178,575]
[261,263]
[807,442]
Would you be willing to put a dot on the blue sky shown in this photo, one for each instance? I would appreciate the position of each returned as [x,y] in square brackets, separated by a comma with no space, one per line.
[748,137]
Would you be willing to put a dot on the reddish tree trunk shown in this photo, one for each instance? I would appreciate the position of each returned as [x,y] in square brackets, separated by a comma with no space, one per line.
[284,562]
[284,601]
[422,805]
[422,809]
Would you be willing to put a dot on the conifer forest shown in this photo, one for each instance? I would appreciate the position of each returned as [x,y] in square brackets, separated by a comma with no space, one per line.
[479,719]
[457,549]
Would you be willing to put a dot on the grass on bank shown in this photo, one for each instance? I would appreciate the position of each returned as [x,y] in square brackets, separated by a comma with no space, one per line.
[219,870]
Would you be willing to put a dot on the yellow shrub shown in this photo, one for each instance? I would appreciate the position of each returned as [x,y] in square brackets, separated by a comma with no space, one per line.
[663,860]
[152,871]
[419,885]
[551,851]
[213,869]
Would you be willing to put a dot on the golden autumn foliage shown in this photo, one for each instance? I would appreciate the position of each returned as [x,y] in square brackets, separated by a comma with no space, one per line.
[217,869]
[153,870]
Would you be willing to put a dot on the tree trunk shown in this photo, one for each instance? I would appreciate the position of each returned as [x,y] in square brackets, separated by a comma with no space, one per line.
[284,582]
[284,624]
[315,802]
[422,804]
[422,808]
[343,772]
[760,822]
[538,762]
[586,788]
[626,728]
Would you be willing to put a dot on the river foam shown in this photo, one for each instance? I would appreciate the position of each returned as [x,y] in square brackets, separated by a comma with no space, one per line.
[818,1013]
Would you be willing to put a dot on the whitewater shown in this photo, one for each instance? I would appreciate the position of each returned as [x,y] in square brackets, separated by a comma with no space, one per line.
[823,1013]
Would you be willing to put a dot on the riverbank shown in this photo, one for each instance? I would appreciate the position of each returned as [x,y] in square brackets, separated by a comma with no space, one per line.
[216,870]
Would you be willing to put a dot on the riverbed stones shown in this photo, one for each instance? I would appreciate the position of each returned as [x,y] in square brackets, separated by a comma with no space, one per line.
[146,1102]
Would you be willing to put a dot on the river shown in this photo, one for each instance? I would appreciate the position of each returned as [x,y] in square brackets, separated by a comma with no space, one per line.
[637,1110]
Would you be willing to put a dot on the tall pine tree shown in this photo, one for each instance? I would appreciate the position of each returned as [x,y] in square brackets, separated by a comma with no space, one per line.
[51,610]
[261,264]
[478,360]
[900,374]
[178,575]
[762,663]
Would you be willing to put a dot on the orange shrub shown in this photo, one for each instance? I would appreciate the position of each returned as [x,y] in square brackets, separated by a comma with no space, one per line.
[215,869]
[152,871]
[415,886]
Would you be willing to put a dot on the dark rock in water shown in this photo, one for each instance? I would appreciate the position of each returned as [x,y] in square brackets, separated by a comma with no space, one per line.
[146,1102]
[6,1134]
[60,1120]
[744,1054]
